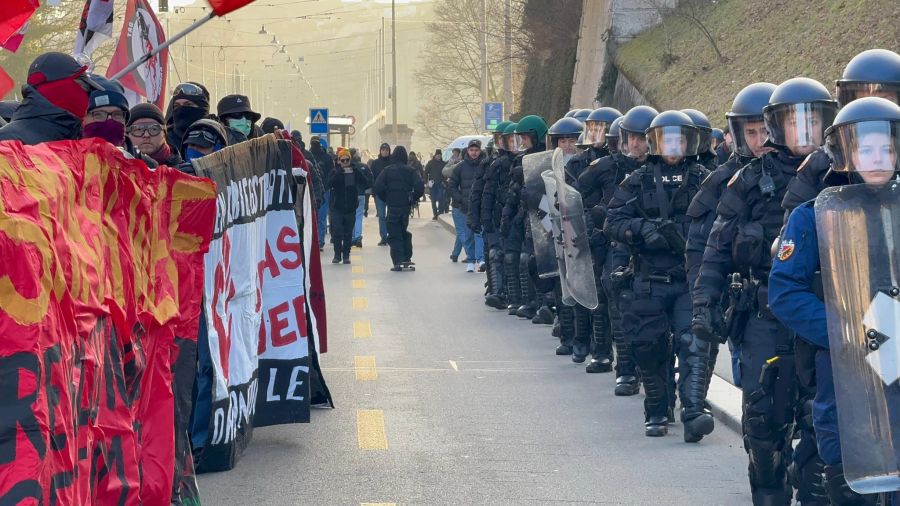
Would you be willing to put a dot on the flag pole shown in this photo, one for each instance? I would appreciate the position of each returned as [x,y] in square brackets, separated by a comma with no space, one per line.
[162,47]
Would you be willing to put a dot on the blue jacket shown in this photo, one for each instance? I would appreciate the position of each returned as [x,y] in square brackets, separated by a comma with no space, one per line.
[792,298]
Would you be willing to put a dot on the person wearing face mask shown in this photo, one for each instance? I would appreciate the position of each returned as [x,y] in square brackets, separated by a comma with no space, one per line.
[648,213]
[147,131]
[239,118]
[749,219]
[271,125]
[54,101]
[863,146]
[190,103]
[598,184]
[106,117]
[204,137]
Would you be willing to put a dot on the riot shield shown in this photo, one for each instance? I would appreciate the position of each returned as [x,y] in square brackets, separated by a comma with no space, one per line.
[576,242]
[556,228]
[859,247]
[539,208]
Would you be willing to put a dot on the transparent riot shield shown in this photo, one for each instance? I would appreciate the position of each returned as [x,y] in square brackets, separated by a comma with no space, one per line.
[576,242]
[556,227]
[539,208]
[859,247]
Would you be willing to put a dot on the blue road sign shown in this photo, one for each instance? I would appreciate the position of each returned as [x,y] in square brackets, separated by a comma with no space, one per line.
[493,114]
[318,121]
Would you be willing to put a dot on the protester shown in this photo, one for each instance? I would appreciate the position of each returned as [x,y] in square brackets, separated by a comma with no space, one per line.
[376,166]
[399,186]
[54,101]
[189,103]
[326,166]
[417,166]
[106,117]
[238,116]
[204,137]
[271,125]
[345,183]
[460,186]
[318,181]
[147,131]
[7,109]
[436,183]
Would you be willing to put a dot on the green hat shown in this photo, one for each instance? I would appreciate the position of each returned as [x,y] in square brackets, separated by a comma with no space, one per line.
[510,129]
[534,125]
[501,127]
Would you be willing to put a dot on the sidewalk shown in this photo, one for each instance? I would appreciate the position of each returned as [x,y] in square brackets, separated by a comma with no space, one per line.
[724,397]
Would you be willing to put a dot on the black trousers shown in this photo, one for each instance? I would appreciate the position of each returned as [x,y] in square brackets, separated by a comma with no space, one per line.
[399,239]
[342,232]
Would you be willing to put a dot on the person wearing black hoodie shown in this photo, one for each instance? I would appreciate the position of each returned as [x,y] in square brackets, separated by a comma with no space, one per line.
[190,102]
[326,165]
[54,101]
[377,165]
[204,137]
[399,186]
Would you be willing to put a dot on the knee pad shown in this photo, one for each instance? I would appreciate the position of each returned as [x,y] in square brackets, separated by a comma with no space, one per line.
[511,259]
[523,261]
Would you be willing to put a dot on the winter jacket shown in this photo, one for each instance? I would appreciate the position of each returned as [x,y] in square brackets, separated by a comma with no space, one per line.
[461,180]
[399,186]
[346,188]
[377,165]
[37,120]
[433,170]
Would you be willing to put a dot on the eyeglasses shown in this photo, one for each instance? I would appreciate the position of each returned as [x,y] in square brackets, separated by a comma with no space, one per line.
[103,115]
[189,89]
[145,130]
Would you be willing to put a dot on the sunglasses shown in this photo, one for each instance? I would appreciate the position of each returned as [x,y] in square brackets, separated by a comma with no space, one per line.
[103,115]
[188,89]
[145,130]
[343,159]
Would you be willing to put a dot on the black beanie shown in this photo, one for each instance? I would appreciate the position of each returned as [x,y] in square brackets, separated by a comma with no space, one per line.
[270,124]
[145,111]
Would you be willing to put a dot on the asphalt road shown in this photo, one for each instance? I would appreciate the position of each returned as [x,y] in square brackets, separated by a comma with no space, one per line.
[442,400]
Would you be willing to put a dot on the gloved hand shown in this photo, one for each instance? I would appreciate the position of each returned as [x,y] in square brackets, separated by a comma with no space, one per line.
[707,323]
[651,236]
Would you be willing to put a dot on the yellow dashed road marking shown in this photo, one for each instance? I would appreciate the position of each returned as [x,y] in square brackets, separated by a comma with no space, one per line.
[370,429]
[360,303]
[359,284]
[356,258]
[357,269]
[365,368]
[362,330]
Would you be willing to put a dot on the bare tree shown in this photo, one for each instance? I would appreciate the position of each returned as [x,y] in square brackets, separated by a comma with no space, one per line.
[692,12]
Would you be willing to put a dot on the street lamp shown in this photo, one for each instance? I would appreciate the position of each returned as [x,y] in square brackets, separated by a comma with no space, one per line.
[263,31]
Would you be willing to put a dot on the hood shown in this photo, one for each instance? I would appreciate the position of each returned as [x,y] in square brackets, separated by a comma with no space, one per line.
[34,105]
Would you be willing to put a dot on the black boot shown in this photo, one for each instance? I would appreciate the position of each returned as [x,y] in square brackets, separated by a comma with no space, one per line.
[840,493]
[337,257]
[627,386]
[566,316]
[694,373]
[555,331]
[544,316]
[627,383]
[601,345]
[655,405]
[581,347]
[495,298]
[513,288]
[529,294]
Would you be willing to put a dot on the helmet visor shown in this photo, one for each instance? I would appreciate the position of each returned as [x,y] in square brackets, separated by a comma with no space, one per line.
[849,91]
[595,132]
[867,146]
[673,141]
[799,127]
[705,139]
[498,140]
[632,144]
[748,135]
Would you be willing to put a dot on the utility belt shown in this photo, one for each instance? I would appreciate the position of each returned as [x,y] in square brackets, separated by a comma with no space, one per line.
[668,276]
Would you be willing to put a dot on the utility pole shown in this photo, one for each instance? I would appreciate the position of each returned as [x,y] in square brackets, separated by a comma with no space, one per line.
[484,73]
[394,68]
[507,71]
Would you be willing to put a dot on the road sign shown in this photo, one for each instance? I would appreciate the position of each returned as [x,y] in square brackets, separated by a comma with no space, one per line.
[493,115]
[318,121]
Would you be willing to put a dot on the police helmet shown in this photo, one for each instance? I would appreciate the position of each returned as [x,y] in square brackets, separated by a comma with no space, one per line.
[498,134]
[598,122]
[865,137]
[581,143]
[509,136]
[875,72]
[582,114]
[719,135]
[703,126]
[747,108]
[571,113]
[673,133]
[634,124]
[797,113]
[532,125]
[565,127]
[612,136]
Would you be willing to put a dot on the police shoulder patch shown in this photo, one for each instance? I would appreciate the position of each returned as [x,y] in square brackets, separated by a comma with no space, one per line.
[786,250]
[734,178]
[595,162]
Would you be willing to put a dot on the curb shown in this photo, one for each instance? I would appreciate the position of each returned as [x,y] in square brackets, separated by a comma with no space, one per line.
[725,398]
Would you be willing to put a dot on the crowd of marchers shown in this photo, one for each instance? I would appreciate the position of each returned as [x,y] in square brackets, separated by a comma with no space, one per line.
[697,238]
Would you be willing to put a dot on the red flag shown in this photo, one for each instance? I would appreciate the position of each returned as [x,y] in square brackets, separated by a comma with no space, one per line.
[141,33]
[13,16]
[223,7]
[13,43]
[6,83]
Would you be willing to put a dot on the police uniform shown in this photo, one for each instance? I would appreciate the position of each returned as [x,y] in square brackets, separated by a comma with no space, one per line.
[496,185]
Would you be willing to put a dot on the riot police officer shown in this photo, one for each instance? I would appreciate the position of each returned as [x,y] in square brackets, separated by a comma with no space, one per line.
[496,182]
[745,120]
[705,154]
[612,137]
[875,73]
[749,219]
[863,144]
[510,234]
[598,184]
[648,212]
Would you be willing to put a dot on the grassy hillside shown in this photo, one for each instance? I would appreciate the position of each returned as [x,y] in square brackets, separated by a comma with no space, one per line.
[675,66]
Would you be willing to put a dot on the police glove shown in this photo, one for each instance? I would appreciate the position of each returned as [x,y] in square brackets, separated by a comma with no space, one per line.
[705,324]
[651,236]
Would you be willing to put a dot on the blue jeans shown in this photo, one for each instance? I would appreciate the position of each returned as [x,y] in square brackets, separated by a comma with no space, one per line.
[466,237]
[381,209]
[322,218]
[357,227]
